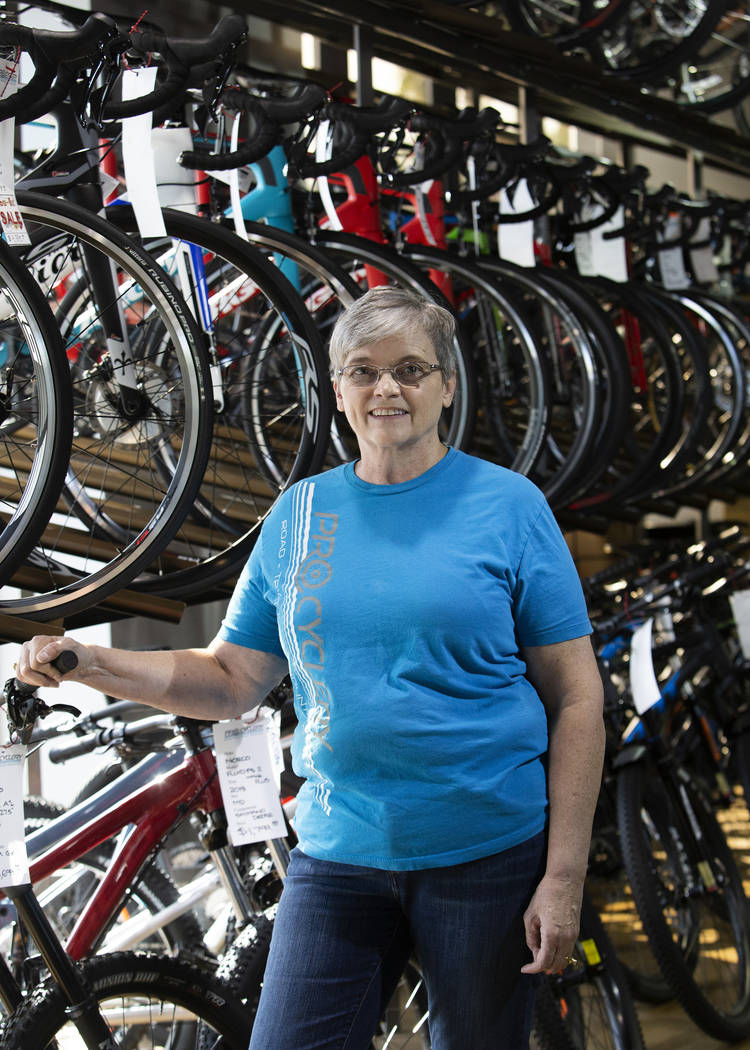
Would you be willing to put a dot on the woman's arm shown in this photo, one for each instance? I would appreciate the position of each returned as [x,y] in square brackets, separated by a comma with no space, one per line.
[220,681]
[567,679]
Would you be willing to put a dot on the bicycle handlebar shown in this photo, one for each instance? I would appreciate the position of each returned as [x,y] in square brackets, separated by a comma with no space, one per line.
[49,50]
[145,733]
[230,32]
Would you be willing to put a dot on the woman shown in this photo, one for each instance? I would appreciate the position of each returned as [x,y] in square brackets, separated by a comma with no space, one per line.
[449,703]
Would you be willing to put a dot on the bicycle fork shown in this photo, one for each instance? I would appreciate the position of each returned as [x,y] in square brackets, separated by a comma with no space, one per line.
[81,1008]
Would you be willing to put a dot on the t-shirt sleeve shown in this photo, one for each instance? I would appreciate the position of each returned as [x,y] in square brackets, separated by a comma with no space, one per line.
[549,605]
[250,618]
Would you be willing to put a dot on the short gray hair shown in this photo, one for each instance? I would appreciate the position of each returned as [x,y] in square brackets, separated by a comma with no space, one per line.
[390,310]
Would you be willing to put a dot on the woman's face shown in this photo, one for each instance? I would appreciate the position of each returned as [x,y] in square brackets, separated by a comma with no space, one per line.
[387,416]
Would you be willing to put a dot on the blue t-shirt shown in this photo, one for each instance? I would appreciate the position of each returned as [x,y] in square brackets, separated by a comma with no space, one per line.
[401,610]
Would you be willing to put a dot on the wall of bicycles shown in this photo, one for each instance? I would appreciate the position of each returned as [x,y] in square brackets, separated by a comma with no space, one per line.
[165,372]
[170,269]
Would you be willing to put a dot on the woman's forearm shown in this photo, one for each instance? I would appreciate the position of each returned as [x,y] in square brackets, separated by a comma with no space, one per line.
[220,681]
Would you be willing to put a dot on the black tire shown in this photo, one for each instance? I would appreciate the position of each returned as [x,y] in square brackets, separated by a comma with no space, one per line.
[571,26]
[357,253]
[700,935]
[269,340]
[125,982]
[36,415]
[74,573]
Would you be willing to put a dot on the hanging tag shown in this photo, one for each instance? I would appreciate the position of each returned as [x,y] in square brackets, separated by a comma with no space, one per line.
[138,156]
[643,685]
[702,259]
[14,863]
[740,602]
[175,184]
[323,152]
[249,780]
[671,264]
[515,240]
[609,254]
[11,220]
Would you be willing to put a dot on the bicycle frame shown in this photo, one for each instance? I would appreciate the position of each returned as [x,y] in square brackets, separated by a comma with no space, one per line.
[151,809]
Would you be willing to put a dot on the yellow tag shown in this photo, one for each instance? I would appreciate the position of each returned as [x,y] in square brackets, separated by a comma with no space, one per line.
[707,875]
[590,950]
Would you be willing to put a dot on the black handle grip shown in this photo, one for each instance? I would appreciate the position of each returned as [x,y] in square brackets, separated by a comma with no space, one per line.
[66,661]
[81,746]
[230,32]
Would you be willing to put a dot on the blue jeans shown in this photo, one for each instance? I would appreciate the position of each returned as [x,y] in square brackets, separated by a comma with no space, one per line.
[343,934]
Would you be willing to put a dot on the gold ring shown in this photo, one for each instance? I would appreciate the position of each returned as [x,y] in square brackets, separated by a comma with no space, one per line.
[570,960]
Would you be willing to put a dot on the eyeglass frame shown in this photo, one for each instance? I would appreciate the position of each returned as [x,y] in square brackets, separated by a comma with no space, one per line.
[430,369]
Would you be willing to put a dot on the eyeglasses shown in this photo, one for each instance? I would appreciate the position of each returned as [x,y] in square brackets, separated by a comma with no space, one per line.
[411,373]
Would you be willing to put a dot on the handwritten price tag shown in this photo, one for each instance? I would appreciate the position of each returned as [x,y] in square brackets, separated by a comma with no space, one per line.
[248,765]
[14,863]
[11,220]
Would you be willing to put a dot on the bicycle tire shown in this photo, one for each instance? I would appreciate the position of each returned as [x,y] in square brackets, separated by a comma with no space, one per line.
[516,385]
[249,463]
[150,998]
[566,29]
[457,424]
[36,418]
[706,964]
[580,320]
[67,583]
[652,63]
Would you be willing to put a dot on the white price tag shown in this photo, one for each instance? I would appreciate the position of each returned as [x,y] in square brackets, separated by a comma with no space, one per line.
[249,777]
[138,156]
[671,263]
[597,255]
[740,602]
[702,259]
[176,185]
[11,220]
[515,240]
[643,685]
[14,863]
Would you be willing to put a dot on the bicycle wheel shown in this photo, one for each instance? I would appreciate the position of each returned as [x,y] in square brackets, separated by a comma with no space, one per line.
[587,366]
[273,400]
[112,478]
[36,418]
[356,255]
[655,37]
[591,998]
[693,908]
[148,1002]
[566,22]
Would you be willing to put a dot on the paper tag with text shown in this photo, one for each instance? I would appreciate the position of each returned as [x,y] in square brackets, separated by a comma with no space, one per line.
[515,240]
[702,259]
[11,220]
[671,264]
[740,602]
[138,156]
[14,863]
[249,778]
[643,685]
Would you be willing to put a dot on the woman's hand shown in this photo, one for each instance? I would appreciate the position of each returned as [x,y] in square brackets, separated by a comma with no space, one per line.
[34,666]
[551,921]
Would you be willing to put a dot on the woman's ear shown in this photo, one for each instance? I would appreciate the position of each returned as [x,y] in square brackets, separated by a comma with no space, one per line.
[339,399]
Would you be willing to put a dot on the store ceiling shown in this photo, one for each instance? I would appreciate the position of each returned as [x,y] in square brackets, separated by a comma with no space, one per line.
[456,46]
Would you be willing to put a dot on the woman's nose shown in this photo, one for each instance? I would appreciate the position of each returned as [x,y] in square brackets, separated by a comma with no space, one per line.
[387,384]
